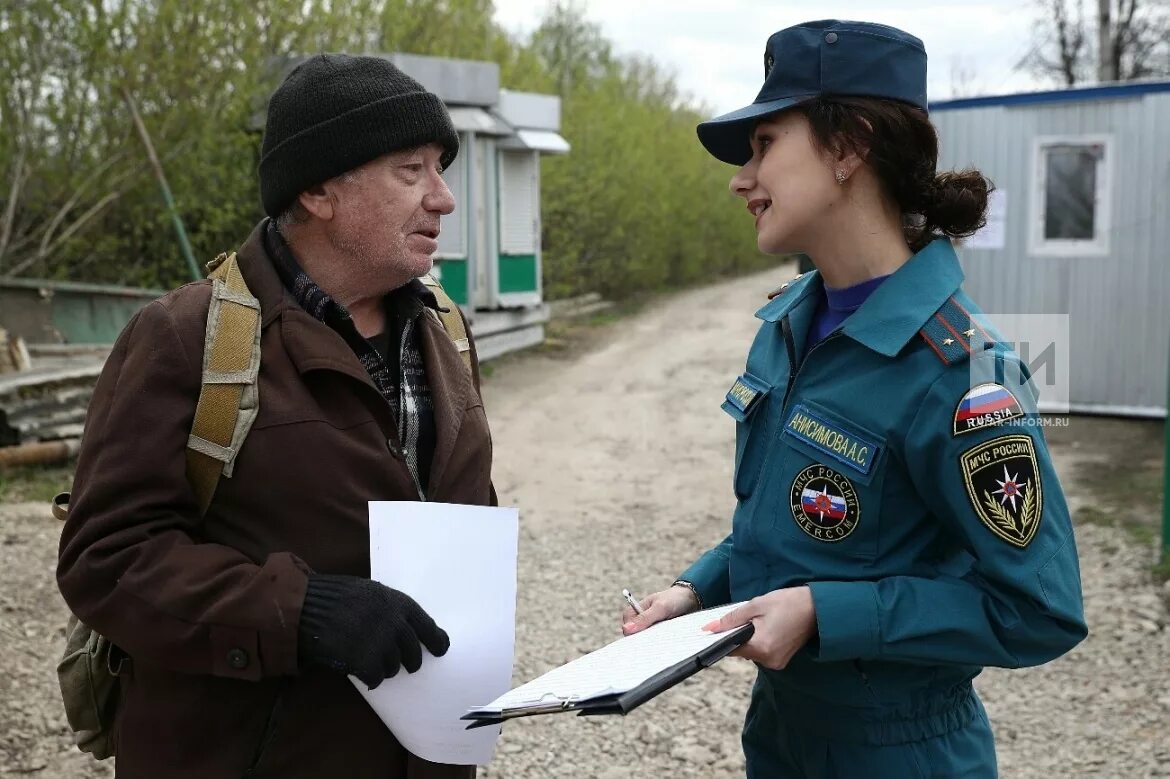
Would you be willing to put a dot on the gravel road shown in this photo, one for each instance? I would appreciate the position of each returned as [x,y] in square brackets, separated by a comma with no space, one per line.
[620,462]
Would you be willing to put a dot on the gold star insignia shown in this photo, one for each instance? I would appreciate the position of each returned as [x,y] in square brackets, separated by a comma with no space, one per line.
[969,333]
[948,341]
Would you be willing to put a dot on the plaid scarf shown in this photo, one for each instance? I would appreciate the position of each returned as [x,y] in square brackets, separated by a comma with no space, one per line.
[404,384]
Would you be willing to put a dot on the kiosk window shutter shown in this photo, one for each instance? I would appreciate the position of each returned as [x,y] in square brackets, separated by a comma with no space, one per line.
[518,206]
[453,229]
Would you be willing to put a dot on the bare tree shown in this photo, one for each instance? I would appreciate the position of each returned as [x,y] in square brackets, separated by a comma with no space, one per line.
[965,80]
[1129,40]
[1060,51]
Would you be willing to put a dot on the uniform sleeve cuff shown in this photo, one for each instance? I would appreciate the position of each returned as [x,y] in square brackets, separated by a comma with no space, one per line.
[269,647]
[847,620]
[711,577]
[278,643]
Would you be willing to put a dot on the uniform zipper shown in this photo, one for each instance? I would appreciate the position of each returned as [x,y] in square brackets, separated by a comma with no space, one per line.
[790,345]
[794,370]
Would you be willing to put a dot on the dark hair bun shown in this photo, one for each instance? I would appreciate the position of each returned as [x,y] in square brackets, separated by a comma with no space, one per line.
[955,203]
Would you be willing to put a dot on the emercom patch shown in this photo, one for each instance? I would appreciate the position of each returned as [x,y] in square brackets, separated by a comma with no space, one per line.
[844,446]
[824,503]
[985,406]
[1003,485]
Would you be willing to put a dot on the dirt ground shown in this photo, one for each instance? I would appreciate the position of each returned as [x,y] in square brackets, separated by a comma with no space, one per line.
[611,442]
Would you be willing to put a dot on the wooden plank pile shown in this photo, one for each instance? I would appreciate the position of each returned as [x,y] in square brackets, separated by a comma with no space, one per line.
[48,400]
[13,354]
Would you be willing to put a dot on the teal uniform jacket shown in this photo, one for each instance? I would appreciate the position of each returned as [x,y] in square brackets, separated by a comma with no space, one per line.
[897,468]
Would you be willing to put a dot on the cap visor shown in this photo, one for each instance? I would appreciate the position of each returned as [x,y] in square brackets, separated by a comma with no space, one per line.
[727,137]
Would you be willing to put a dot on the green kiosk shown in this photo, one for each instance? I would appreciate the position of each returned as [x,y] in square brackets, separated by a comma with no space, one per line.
[489,248]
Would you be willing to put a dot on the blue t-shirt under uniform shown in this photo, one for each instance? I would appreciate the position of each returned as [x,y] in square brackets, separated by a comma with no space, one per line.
[836,305]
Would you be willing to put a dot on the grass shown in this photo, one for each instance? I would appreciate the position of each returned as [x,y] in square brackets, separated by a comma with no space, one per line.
[1138,531]
[598,322]
[566,338]
[1135,497]
[1135,493]
[1162,570]
[34,483]
[604,318]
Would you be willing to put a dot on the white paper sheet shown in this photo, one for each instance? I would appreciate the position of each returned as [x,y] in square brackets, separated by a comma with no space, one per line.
[994,234]
[459,563]
[620,666]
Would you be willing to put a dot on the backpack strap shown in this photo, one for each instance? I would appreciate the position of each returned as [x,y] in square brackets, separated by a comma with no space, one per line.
[228,397]
[450,317]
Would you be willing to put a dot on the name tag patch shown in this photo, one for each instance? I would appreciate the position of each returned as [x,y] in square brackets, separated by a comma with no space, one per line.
[844,446]
[745,392]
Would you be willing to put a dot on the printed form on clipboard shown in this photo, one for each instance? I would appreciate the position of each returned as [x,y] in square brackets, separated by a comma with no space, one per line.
[622,675]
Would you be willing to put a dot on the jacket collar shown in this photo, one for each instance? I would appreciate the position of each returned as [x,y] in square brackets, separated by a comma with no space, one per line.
[261,276]
[906,301]
[896,310]
[790,296]
[312,345]
[269,288]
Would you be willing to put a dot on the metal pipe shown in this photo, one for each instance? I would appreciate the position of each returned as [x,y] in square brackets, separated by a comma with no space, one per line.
[1166,480]
[39,452]
[172,209]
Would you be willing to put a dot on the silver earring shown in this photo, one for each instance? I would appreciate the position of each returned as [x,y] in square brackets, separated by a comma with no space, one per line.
[840,177]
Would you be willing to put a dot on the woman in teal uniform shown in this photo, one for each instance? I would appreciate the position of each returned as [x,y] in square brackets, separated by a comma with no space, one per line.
[899,524]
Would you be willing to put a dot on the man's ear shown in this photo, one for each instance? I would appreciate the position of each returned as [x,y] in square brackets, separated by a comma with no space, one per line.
[318,201]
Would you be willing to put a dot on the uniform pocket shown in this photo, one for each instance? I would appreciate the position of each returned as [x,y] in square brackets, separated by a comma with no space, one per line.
[748,404]
[831,474]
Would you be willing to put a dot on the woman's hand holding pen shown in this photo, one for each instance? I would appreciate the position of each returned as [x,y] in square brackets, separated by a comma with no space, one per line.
[785,620]
[667,604]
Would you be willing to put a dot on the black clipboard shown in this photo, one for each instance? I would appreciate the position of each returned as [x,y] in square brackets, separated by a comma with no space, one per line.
[625,702]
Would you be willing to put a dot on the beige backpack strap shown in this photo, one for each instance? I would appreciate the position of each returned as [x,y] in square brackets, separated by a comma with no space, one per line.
[228,397]
[449,315]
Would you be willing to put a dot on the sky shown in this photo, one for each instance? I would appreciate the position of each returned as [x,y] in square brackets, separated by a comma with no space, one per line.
[715,48]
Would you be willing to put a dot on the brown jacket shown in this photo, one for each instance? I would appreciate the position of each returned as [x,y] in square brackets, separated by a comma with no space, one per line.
[208,608]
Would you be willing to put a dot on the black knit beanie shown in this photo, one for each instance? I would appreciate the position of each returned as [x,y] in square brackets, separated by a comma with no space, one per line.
[334,113]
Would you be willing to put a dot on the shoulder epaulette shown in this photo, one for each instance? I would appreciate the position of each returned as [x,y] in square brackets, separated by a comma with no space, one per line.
[952,333]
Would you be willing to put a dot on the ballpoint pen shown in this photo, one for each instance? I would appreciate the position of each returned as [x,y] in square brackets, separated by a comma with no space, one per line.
[630,599]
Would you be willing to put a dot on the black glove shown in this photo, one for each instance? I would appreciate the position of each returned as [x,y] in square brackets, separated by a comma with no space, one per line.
[360,627]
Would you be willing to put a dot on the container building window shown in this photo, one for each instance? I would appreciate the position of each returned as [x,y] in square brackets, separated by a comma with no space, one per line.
[1070,197]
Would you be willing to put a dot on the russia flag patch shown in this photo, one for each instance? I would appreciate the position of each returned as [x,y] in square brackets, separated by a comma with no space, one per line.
[985,406]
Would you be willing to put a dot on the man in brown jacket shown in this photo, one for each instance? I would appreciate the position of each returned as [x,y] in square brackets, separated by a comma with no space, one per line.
[242,625]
